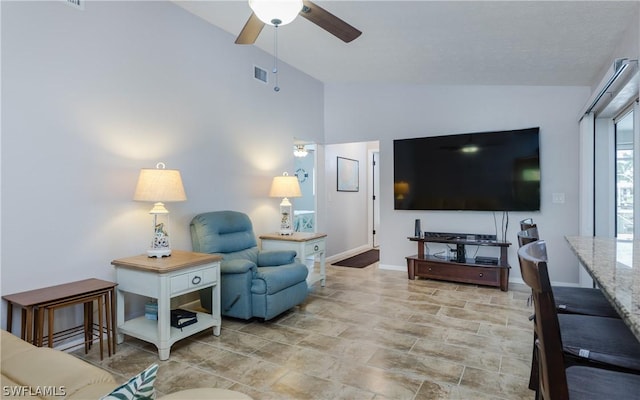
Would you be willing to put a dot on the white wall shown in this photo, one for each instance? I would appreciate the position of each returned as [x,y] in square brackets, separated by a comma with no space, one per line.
[387,112]
[347,212]
[90,97]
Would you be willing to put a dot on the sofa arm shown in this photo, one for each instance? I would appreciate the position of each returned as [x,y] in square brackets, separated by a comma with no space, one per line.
[46,367]
[273,258]
[237,266]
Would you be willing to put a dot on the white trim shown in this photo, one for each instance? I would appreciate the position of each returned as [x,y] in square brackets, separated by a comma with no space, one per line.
[371,188]
[586,203]
[390,267]
[348,253]
[617,69]
[636,168]
[586,199]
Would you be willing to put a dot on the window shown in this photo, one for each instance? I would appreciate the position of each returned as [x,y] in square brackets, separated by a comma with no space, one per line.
[624,175]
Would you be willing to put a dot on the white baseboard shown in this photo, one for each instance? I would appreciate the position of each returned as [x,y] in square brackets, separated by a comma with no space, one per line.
[519,280]
[347,254]
[393,267]
[516,280]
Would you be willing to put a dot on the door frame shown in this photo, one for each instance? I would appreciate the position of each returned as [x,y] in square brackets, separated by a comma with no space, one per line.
[373,196]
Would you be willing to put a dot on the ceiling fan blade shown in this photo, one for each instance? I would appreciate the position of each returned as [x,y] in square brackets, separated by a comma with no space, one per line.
[329,22]
[250,31]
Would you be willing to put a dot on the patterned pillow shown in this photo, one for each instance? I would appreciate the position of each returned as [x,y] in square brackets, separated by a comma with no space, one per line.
[140,387]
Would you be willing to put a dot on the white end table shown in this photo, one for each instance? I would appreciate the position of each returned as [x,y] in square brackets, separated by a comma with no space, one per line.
[306,245]
[164,278]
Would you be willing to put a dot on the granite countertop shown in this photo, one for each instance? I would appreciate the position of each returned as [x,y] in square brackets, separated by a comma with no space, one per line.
[615,266]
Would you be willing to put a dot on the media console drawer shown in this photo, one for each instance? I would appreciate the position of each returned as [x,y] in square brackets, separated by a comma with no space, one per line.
[459,273]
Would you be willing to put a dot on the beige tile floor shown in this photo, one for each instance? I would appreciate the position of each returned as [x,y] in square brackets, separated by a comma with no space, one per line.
[369,334]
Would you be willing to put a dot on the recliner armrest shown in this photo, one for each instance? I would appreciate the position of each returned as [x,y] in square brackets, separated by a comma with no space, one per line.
[237,266]
[274,258]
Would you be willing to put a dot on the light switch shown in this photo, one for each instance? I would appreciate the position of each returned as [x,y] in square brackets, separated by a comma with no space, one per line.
[558,198]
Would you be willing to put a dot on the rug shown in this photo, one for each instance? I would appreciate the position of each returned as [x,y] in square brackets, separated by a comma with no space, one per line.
[361,260]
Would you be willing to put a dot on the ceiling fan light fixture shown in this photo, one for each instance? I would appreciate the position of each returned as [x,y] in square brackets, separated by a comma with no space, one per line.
[300,151]
[276,12]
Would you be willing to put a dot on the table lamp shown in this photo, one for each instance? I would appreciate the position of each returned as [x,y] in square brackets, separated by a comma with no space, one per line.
[285,186]
[159,185]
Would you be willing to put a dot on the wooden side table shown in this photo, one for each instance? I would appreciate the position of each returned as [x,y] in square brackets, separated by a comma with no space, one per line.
[35,303]
[305,244]
[164,278]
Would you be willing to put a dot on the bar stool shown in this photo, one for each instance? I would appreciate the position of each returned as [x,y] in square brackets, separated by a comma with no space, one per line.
[569,299]
[558,379]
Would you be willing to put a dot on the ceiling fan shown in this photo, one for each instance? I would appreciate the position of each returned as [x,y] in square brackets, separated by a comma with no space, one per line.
[260,15]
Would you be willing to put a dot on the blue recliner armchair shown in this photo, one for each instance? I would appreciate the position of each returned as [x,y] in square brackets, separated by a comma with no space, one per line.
[253,283]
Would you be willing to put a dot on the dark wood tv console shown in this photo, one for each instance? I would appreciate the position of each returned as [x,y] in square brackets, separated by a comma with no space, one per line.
[469,271]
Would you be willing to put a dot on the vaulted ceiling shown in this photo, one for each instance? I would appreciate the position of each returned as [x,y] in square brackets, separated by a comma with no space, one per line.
[446,42]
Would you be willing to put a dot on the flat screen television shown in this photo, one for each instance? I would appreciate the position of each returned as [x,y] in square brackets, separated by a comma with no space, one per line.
[484,171]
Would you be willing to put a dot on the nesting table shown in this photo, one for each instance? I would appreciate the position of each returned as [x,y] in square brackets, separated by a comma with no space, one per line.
[35,303]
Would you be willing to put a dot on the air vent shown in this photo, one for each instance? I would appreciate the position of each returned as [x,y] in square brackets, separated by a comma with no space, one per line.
[79,4]
[260,74]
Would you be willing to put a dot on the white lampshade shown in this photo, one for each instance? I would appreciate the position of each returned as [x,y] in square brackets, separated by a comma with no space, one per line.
[276,12]
[285,186]
[159,184]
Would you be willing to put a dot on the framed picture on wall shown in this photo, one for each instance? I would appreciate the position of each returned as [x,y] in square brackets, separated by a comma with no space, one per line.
[348,180]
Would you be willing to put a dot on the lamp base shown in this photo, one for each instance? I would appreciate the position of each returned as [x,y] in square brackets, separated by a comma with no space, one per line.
[286,222]
[163,252]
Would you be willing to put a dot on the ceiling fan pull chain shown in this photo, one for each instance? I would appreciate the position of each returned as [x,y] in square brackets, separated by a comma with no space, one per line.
[275,57]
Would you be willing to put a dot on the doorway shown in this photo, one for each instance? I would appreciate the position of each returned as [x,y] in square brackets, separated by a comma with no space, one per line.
[305,207]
